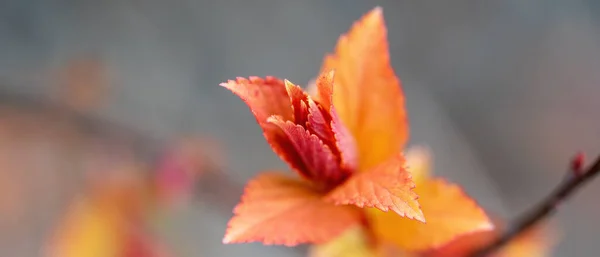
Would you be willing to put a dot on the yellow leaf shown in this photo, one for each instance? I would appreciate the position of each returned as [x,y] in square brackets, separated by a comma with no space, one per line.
[449,213]
[88,231]
[352,243]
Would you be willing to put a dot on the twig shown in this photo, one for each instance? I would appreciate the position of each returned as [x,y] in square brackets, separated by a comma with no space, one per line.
[218,188]
[575,180]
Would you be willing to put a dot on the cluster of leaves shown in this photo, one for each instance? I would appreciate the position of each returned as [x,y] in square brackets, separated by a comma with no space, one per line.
[356,194]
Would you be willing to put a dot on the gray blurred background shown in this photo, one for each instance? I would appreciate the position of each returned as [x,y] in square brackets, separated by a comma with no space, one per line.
[502,92]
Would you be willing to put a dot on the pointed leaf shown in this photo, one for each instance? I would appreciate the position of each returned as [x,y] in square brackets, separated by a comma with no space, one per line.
[276,209]
[264,97]
[324,84]
[387,186]
[449,211]
[311,115]
[299,102]
[319,123]
[267,97]
[367,95]
[321,164]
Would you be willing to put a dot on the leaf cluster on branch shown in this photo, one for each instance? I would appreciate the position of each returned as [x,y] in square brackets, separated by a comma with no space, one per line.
[357,190]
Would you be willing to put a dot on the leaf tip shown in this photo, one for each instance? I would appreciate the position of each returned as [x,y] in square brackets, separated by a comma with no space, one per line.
[420,216]
[229,238]
[378,10]
[288,83]
[330,74]
[227,84]
[375,15]
[226,240]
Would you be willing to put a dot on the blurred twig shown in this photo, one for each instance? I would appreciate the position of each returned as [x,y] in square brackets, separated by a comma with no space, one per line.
[215,187]
[575,180]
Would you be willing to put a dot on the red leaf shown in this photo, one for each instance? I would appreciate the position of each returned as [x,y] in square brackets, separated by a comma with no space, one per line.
[267,97]
[387,186]
[299,102]
[319,123]
[276,209]
[344,140]
[321,163]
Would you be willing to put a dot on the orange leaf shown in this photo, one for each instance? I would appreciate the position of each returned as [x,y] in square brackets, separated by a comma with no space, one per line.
[449,211]
[367,94]
[276,209]
[387,186]
[319,160]
[267,97]
[324,88]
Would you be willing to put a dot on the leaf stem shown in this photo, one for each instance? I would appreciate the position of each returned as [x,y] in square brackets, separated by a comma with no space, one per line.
[574,181]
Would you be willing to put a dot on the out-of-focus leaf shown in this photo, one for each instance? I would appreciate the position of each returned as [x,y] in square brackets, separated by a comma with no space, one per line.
[449,212]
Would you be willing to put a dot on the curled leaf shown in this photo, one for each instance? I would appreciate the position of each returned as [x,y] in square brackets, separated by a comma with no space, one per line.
[276,209]
[387,186]
[265,98]
[299,102]
[321,164]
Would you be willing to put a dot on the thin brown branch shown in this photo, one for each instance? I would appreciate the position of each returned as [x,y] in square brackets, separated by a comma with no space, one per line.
[574,181]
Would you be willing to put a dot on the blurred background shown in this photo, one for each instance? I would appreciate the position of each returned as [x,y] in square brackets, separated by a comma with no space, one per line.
[114,105]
